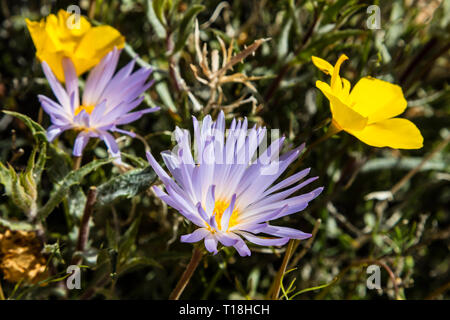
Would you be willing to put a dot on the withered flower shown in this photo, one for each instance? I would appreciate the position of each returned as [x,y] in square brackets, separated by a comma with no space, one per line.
[215,77]
[21,257]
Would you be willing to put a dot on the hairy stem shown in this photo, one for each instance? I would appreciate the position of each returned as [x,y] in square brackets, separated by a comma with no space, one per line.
[275,288]
[83,234]
[77,162]
[187,274]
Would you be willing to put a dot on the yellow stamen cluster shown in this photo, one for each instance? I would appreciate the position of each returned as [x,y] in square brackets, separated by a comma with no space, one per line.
[88,109]
[219,209]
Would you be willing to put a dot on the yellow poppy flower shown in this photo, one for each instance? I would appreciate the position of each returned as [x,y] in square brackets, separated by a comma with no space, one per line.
[83,44]
[368,110]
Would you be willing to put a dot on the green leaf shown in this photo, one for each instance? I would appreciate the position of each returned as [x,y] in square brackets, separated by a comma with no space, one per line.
[18,194]
[39,166]
[314,288]
[58,164]
[36,129]
[5,178]
[137,160]
[16,225]
[126,185]
[76,201]
[127,241]
[321,41]
[154,21]
[185,28]
[158,8]
[137,262]
[73,178]
[163,91]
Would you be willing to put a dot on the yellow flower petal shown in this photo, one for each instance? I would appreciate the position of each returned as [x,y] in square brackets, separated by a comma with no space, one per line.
[323,65]
[396,133]
[344,116]
[65,19]
[336,82]
[54,60]
[55,38]
[96,43]
[37,33]
[377,99]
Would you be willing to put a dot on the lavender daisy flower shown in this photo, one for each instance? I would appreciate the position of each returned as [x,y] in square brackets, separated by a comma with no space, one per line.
[225,193]
[106,102]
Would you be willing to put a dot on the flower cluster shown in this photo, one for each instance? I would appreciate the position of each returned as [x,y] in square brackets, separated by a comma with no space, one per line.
[228,192]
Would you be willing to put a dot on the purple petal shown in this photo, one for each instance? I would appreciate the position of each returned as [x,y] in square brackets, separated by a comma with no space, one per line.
[111,144]
[264,241]
[81,142]
[225,239]
[54,131]
[211,244]
[286,232]
[71,79]
[195,236]
[130,117]
[227,214]
[57,88]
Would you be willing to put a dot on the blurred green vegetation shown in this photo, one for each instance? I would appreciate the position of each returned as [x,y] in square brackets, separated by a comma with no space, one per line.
[134,249]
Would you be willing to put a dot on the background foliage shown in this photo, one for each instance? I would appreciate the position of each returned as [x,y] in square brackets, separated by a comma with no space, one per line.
[134,249]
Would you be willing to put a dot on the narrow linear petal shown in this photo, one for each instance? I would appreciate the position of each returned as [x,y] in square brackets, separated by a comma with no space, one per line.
[195,236]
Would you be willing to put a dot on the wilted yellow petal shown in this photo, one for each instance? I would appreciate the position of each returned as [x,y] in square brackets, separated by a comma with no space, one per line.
[21,258]
[377,99]
[396,133]
[323,65]
[343,115]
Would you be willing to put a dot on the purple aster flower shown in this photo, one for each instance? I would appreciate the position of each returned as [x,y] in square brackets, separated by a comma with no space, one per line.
[106,103]
[225,193]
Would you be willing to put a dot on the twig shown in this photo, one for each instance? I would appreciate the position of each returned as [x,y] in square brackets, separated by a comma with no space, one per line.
[340,217]
[215,14]
[308,244]
[83,234]
[438,291]
[91,10]
[411,173]
[184,280]
[2,295]
[357,264]
[381,206]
